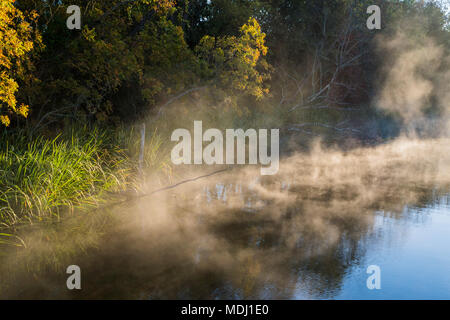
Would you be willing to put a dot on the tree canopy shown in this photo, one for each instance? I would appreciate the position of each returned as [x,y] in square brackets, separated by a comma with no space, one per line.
[131,58]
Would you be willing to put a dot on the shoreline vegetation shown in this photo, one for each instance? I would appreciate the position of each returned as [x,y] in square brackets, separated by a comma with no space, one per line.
[45,177]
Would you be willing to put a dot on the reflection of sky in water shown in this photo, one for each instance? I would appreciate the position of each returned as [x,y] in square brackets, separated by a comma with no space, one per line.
[236,240]
[413,252]
[412,248]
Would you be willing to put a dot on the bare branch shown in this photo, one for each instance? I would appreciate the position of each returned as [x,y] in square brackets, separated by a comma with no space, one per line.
[179,96]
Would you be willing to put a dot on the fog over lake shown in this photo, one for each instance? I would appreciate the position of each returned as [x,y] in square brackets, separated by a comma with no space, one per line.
[309,232]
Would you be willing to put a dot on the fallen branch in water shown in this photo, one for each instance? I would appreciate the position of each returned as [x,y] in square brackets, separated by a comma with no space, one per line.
[183,182]
[128,199]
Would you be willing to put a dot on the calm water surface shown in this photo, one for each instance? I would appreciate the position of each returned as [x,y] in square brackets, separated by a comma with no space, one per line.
[269,240]
[413,252]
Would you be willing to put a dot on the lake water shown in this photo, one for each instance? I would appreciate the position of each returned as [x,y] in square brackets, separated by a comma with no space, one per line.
[412,251]
[309,233]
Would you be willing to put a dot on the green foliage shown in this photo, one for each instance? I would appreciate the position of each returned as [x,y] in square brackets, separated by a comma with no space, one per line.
[121,44]
[216,18]
[40,177]
[132,56]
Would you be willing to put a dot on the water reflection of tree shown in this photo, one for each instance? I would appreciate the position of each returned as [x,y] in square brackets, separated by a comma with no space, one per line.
[291,252]
[296,242]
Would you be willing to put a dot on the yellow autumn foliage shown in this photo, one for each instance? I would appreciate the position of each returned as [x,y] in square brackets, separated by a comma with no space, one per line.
[16,40]
[238,62]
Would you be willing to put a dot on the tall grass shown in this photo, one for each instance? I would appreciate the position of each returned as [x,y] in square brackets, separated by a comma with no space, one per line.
[40,177]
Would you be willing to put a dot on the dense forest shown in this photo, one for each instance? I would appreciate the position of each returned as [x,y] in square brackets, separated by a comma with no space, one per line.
[72,101]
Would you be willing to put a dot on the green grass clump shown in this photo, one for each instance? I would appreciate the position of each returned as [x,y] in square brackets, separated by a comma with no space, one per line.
[40,177]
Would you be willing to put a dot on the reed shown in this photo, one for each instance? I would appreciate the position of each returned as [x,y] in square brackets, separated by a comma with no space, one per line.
[42,177]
